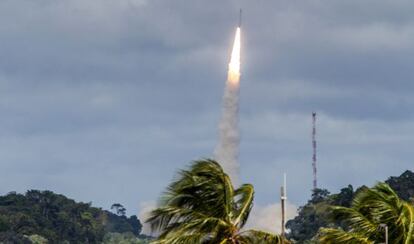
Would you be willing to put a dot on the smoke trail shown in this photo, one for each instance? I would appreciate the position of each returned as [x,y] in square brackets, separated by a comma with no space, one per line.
[227,150]
[268,217]
[264,217]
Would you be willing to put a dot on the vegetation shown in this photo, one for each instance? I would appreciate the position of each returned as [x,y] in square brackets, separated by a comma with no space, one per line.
[315,213]
[403,185]
[123,238]
[119,223]
[202,206]
[46,217]
[371,210]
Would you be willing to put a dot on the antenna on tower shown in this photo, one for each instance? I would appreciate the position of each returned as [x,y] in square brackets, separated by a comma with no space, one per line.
[315,182]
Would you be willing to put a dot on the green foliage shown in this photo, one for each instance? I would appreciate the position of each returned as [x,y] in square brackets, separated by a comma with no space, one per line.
[370,210]
[202,206]
[120,210]
[122,224]
[37,239]
[315,213]
[7,237]
[57,219]
[403,185]
[123,238]
[205,197]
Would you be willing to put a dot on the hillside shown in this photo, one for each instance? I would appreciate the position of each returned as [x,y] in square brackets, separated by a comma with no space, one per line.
[40,216]
[47,217]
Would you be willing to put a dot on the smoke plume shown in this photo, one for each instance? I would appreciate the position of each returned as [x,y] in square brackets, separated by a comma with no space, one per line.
[227,150]
[268,217]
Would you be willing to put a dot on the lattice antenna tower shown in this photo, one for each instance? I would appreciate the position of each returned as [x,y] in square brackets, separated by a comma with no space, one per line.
[315,180]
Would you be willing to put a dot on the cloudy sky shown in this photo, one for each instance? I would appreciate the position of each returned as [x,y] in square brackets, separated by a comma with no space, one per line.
[103,100]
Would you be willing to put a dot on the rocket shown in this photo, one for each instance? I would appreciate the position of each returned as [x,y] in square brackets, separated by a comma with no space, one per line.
[227,149]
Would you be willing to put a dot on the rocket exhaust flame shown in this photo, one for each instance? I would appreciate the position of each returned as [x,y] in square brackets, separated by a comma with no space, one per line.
[227,150]
[234,65]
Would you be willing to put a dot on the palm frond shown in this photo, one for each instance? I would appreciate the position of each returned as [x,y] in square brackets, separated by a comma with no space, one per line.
[338,236]
[202,206]
[243,204]
[183,239]
[198,203]
[356,220]
[408,220]
[370,209]
[165,218]
[259,237]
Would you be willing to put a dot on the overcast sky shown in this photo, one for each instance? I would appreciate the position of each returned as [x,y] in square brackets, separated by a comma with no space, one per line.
[104,100]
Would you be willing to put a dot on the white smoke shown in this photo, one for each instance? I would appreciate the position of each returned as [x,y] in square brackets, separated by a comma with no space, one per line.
[145,209]
[269,218]
[227,150]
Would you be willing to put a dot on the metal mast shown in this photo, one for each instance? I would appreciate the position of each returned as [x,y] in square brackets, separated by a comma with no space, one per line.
[283,198]
[315,182]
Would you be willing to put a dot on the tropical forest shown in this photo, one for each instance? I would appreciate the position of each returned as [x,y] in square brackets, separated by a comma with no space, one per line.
[202,205]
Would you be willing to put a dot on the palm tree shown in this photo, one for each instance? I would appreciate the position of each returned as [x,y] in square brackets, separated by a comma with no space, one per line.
[370,210]
[202,206]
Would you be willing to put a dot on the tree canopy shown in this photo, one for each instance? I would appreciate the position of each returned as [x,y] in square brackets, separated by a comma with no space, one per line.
[372,210]
[202,206]
[38,215]
[315,213]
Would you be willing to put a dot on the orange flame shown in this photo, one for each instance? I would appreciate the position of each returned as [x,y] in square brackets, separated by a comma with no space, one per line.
[234,65]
